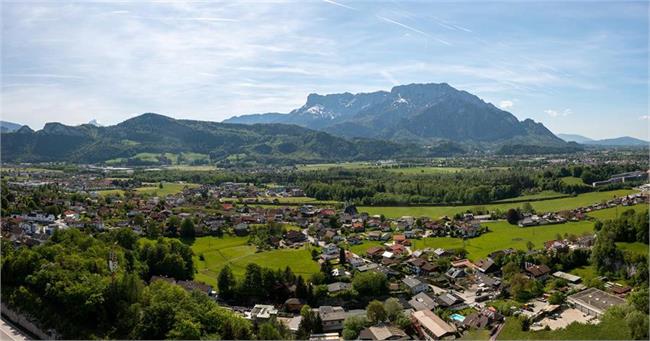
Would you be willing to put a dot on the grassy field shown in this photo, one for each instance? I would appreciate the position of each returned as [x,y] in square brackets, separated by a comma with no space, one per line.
[537,196]
[586,272]
[572,180]
[610,213]
[424,170]
[298,200]
[235,252]
[637,247]
[168,188]
[540,206]
[346,165]
[502,235]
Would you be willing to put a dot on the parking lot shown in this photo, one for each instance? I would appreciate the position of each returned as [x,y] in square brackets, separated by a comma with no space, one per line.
[567,317]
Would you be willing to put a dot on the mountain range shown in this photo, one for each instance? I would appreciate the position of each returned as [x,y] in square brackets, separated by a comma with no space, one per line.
[158,134]
[624,141]
[8,127]
[417,113]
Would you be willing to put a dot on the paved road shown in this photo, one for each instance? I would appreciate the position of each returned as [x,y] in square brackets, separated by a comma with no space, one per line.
[9,332]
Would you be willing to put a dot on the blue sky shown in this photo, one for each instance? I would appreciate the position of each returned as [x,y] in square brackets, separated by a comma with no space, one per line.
[578,67]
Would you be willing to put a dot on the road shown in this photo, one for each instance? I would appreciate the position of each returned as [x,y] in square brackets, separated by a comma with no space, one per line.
[9,332]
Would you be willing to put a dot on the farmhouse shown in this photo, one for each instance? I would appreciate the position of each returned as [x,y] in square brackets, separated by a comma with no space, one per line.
[430,326]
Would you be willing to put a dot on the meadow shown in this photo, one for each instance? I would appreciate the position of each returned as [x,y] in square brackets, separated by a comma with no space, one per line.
[235,251]
[152,189]
[551,205]
[502,235]
[537,196]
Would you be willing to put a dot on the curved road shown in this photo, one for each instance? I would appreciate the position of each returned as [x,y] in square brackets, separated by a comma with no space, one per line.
[9,332]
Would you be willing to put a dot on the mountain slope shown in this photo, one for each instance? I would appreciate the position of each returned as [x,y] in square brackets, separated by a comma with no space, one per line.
[8,127]
[153,133]
[574,137]
[420,113]
[614,142]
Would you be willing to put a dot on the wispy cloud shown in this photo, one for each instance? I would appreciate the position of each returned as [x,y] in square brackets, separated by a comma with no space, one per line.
[413,29]
[556,113]
[506,104]
[644,117]
[339,4]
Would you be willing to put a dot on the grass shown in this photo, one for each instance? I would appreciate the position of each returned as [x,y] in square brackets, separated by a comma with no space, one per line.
[502,235]
[168,188]
[586,272]
[608,329]
[346,165]
[637,247]
[298,200]
[541,206]
[572,180]
[537,196]
[235,252]
[611,213]
[425,170]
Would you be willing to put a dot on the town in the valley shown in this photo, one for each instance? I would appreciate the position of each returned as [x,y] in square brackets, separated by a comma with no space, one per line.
[278,259]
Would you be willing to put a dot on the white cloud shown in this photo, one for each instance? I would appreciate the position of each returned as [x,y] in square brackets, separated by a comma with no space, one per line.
[644,117]
[506,104]
[556,113]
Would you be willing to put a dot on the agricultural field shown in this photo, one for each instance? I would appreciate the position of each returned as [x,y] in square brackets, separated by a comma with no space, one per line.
[537,196]
[346,165]
[502,235]
[610,213]
[424,170]
[234,251]
[298,200]
[540,206]
[168,188]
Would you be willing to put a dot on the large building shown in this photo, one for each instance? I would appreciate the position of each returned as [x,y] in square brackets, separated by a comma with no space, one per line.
[431,327]
[594,301]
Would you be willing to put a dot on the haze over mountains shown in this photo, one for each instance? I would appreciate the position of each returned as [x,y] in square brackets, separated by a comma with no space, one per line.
[617,141]
[416,120]
[421,113]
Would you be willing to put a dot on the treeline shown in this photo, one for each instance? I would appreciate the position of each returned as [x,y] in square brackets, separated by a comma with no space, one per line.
[67,285]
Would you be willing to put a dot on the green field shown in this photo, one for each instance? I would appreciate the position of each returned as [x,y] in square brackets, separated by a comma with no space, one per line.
[610,213]
[572,180]
[424,170]
[326,166]
[168,188]
[298,200]
[502,235]
[586,272]
[237,253]
[537,196]
[637,247]
[541,206]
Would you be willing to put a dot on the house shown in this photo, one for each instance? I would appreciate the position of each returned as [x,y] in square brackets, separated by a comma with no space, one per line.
[331,249]
[430,326]
[262,312]
[375,251]
[382,333]
[294,236]
[538,272]
[332,318]
[293,304]
[450,301]
[414,285]
[455,273]
[422,301]
[336,287]
[594,301]
[486,265]
[573,279]
[487,317]
[195,286]
[325,337]
[374,235]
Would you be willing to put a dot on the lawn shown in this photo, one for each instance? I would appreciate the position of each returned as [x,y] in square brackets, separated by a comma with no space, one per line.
[237,253]
[637,247]
[502,235]
[586,272]
[541,206]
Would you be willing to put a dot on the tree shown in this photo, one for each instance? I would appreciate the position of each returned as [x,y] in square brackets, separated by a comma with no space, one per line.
[527,208]
[268,332]
[173,223]
[393,309]
[352,326]
[342,258]
[375,311]
[530,245]
[638,324]
[226,283]
[252,285]
[187,228]
[512,216]
[556,298]
[370,284]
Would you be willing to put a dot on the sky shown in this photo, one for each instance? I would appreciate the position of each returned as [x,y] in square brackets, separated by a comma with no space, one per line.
[578,67]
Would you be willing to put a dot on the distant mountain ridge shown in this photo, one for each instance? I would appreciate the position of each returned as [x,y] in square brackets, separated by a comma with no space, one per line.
[153,133]
[420,113]
[8,127]
[624,141]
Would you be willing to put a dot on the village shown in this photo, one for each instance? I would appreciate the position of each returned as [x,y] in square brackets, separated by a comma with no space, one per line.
[440,291]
